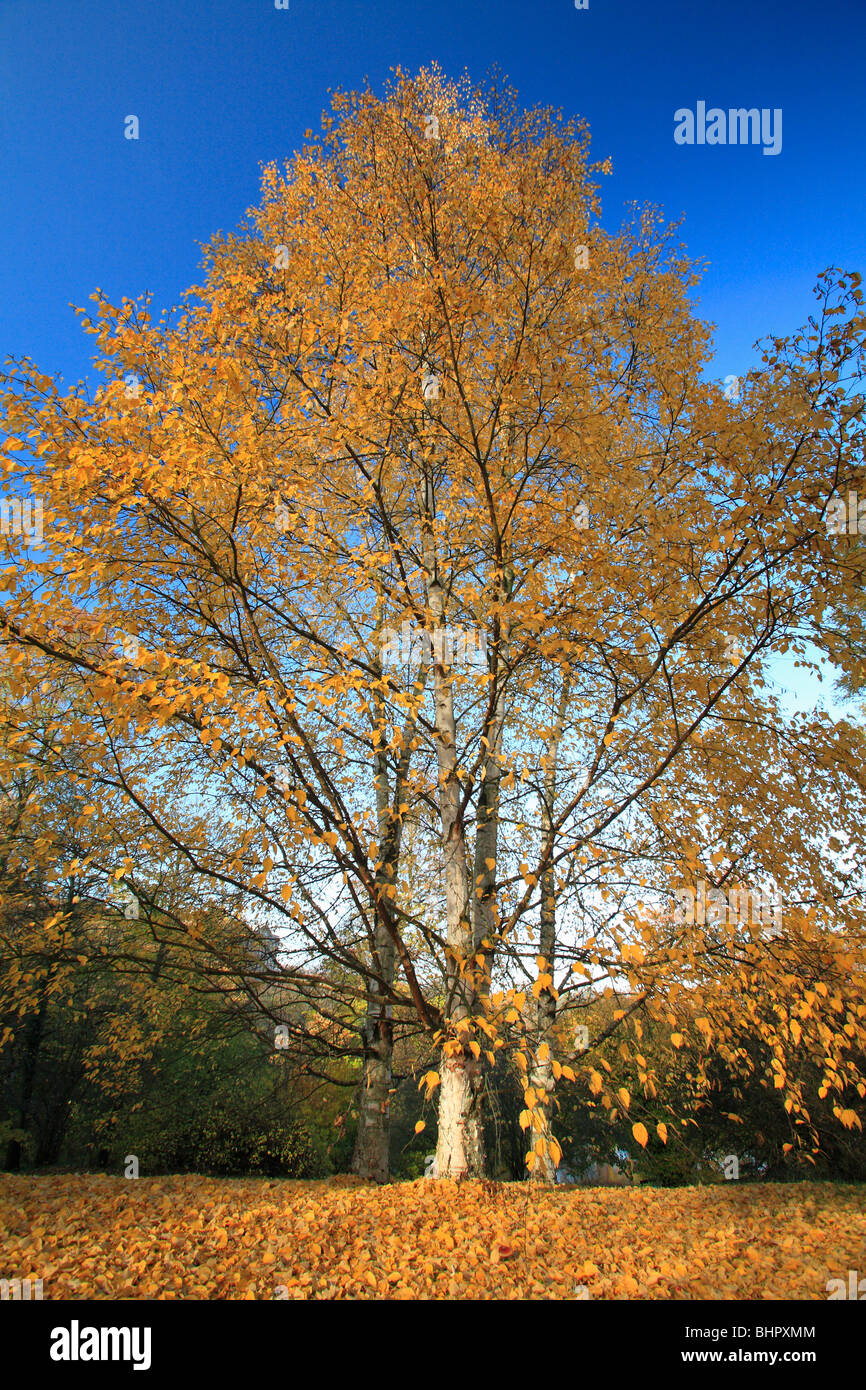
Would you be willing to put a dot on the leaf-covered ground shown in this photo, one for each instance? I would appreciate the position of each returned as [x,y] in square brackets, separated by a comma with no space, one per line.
[191,1237]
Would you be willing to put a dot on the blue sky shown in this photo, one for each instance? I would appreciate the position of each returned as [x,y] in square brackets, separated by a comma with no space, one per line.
[221,86]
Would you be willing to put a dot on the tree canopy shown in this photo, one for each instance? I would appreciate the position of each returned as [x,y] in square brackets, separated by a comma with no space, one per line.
[413,591]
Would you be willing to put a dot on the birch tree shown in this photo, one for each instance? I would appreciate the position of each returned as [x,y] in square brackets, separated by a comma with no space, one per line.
[423,519]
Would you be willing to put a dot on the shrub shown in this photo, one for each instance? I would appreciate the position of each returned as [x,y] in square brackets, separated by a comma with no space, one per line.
[227,1139]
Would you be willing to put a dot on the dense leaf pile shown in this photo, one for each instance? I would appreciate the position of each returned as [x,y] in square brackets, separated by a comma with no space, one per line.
[190,1237]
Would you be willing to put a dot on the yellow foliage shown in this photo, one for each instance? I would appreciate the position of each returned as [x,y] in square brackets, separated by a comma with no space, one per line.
[206,1238]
